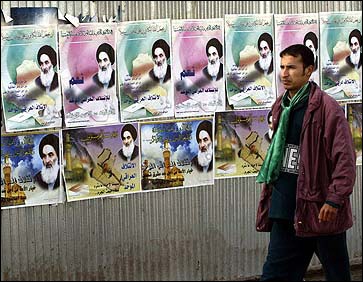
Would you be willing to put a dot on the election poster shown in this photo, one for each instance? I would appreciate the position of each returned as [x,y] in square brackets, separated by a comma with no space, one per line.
[297,29]
[354,116]
[30,169]
[242,138]
[176,154]
[144,69]
[341,53]
[30,89]
[198,52]
[88,74]
[101,161]
[250,70]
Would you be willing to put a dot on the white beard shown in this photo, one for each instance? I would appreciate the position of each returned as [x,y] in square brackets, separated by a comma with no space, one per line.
[265,62]
[128,150]
[47,78]
[213,69]
[105,76]
[354,58]
[160,71]
[50,174]
[204,158]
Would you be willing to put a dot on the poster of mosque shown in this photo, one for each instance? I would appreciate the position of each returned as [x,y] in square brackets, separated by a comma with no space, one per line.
[250,71]
[242,138]
[30,91]
[341,54]
[297,29]
[145,63]
[30,169]
[88,74]
[176,154]
[101,161]
[198,53]
[354,116]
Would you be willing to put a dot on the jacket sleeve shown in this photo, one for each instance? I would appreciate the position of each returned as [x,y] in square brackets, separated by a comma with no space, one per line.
[340,151]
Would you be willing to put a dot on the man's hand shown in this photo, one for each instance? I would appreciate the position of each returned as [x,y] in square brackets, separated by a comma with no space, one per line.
[327,213]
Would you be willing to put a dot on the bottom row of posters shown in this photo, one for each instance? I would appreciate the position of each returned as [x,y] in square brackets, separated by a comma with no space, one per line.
[83,163]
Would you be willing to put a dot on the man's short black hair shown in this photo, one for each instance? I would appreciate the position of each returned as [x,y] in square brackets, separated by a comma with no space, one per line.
[49,51]
[296,50]
[217,44]
[161,43]
[108,49]
[204,125]
[355,33]
[312,36]
[130,128]
[51,140]
[265,37]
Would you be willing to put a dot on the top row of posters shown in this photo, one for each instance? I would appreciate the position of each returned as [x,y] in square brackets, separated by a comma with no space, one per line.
[102,73]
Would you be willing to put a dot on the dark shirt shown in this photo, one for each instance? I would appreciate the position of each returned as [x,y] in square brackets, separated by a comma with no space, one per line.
[135,153]
[39,180]
[110,83]
[270,69]
[349,62]
[219,74]
[196,164]
[283,200]
[53,85]
[166,77]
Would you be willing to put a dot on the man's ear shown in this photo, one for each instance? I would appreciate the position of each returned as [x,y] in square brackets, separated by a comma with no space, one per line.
[309,70]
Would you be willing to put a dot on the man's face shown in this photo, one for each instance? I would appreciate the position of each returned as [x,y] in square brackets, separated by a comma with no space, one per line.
[354,44]
[49,156]
[310,45]
[127,138]
[204,141]
[264,49]
[292,73]
[212,55]
[159,57]
[45,63]
[103,61]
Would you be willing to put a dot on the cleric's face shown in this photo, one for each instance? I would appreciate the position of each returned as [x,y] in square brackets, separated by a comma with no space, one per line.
[103,61]
[45,63]
[159,56]
[264,49]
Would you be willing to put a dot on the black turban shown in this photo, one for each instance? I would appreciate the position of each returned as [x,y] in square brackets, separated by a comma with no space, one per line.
[130,128]
[51,140]
[46,49]
[107,48]
[161,43]
[266,37]
[204,125]
[215,42]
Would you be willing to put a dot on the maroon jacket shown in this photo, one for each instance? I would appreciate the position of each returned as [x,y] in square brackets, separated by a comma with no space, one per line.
[327,168]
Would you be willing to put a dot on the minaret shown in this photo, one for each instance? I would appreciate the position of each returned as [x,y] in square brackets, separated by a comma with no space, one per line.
[68,147]
[166,155]
[7,174]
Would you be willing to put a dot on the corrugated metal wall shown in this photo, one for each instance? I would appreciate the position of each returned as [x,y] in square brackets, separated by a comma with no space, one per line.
[200,233]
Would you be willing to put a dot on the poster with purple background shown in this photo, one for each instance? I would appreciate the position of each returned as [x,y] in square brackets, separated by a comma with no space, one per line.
[198,67]
[88,74]
[296,29]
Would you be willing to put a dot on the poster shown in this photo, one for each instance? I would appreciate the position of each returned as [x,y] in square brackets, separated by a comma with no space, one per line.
[341,53]
[30,89]
[30,169]
[250,70]
[354,115]
[241,142]
[144,69]
[297,29]
[34,15]
[176,154]
[101,161]
[198,49]
[88,60]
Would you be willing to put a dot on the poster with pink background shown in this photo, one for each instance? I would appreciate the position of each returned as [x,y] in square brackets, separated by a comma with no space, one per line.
[198,66]
[296,29]
[88,74]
